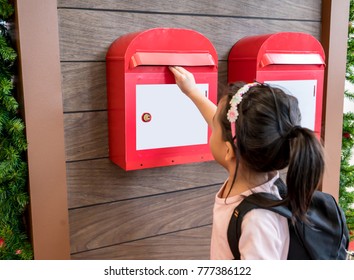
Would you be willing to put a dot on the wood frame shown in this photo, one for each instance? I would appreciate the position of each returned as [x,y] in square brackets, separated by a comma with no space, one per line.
[38,46]
[39,56]
[335,16]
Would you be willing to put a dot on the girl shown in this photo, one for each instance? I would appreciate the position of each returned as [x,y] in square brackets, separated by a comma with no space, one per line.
[255,132]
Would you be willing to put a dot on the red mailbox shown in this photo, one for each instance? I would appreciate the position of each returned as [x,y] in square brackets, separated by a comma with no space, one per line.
[151,123]
[295,61]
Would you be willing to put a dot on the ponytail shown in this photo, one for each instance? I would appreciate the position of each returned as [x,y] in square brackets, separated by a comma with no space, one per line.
[305,170]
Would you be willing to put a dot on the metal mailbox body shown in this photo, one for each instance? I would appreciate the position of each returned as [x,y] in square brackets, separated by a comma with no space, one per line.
[150,122]
[294,61]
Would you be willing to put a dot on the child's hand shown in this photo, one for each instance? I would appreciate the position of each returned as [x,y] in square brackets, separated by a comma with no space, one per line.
[184,79]
[186,82]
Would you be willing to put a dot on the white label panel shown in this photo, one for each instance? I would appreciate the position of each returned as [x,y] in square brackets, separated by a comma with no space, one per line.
[305,92]
[175,120]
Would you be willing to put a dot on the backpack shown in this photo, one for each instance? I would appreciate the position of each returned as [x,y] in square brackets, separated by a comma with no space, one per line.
[324,236]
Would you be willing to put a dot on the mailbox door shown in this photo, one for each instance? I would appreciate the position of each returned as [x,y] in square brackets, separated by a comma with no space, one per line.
[307,86]
[166,118]
[305,91]
[163,126]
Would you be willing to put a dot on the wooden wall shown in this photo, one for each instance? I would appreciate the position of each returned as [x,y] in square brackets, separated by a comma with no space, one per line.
[160,213]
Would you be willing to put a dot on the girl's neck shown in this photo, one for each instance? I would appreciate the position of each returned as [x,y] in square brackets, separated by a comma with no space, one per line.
[245,180]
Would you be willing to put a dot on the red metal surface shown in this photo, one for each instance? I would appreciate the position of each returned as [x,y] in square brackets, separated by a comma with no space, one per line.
[277,57]
[142,58]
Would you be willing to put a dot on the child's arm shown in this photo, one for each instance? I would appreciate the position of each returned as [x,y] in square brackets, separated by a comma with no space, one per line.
[186,82]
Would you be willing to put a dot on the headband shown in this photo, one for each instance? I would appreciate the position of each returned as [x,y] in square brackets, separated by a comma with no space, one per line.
[232,114]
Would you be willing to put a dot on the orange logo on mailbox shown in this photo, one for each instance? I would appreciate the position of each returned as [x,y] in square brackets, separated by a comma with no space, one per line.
[146,117]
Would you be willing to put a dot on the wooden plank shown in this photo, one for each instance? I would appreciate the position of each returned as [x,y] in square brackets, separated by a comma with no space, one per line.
[86,135]
[115,223]
[101,181]
[222,78]
[84,85]
[192,244]
[85,35]
[302,9]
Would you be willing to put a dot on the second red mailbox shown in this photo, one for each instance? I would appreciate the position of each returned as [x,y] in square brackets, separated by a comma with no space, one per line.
[293,60]
[151,123]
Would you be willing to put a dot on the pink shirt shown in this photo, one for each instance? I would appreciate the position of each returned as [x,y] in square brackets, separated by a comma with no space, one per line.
[265,235]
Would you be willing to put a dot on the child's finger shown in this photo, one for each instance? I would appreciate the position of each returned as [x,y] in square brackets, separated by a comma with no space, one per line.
[178,69]
[181,70]
[173,69]
[178,72]
[175,72]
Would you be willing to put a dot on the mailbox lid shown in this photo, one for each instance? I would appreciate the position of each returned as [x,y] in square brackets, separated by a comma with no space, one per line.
[171,58]
[294,58]
[158,43]
[283,48]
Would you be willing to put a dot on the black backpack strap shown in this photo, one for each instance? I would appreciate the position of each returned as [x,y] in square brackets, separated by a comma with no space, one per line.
[253,201]
[234,229]
[282,188]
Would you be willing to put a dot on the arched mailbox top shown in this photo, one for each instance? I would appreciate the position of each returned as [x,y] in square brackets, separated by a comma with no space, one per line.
[163,46]
[279,48]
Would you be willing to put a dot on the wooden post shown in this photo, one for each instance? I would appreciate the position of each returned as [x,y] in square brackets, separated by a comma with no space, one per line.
[40,77]
[335,16]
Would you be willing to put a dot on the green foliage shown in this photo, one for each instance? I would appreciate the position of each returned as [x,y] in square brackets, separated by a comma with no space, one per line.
[350,45]
[6,9]
[14,243]
[346,189]
[346,194]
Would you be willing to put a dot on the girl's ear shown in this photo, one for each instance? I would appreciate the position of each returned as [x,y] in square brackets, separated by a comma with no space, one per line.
[230,154]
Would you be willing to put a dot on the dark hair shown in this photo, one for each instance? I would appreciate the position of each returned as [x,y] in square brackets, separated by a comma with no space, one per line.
[269,137]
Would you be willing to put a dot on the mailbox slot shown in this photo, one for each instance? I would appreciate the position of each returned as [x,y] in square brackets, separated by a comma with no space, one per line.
[181,59]
[291,58]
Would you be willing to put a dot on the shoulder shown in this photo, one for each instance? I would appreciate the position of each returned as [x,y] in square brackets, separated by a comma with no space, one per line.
[263,219]
[265,235]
